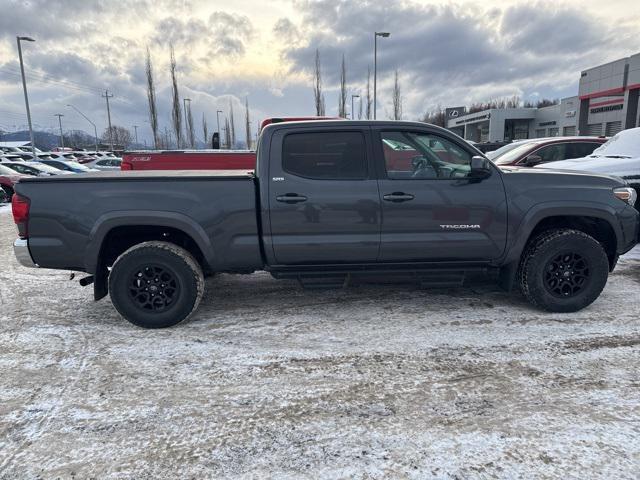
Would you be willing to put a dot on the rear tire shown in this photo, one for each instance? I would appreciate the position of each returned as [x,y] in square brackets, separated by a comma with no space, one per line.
[156,284]
[563,270]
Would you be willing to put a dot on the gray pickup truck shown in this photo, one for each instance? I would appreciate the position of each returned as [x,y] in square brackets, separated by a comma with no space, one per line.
[330,201]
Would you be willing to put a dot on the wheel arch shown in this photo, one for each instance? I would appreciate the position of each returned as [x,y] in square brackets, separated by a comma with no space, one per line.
[117,231]
[597,221]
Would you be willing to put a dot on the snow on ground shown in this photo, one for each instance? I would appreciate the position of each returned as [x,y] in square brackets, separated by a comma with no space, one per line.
[268,380]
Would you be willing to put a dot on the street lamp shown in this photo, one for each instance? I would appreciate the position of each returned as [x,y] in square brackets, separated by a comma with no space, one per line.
[375,66]
[352,110]
[95,130]
[59,115]
[26,97]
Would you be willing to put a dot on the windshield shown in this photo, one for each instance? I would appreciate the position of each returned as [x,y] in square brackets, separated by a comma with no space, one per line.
[78,167]
[516,152]
[624,144]
[6,170]
[43,167]
[493,155]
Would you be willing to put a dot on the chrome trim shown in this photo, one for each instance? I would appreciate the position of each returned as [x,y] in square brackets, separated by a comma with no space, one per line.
[21,251]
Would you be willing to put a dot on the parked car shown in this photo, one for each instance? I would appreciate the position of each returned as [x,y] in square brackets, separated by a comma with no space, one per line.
[68,166]
[104,164]
[619,156]
[546,150]
[327,205]
[8,178]
[37,169]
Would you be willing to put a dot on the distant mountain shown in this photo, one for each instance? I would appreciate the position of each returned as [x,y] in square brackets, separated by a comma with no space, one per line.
[46,140]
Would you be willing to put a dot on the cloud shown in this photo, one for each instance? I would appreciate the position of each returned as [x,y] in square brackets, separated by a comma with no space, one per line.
[224,34]
[454,54]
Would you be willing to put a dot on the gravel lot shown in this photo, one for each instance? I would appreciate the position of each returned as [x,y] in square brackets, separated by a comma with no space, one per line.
[268,380]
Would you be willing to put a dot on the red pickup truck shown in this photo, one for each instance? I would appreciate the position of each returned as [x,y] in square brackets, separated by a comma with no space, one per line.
[189,160]
[200,159]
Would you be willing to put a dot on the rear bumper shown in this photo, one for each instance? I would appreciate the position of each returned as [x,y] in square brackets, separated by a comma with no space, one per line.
[21,251]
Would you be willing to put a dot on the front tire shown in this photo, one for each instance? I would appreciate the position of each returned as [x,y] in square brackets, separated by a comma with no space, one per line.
[563,270]
[156,284]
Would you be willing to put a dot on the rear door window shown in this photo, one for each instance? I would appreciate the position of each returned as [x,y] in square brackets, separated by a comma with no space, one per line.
[325,155]
[581,149]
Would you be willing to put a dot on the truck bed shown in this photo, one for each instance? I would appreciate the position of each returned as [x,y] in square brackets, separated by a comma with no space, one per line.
[72,215]
[137,175]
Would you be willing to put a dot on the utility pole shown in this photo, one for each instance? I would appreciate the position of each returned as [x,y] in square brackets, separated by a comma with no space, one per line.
[107,96]
[59,115]
[375,66]
[135,129]
[26,97]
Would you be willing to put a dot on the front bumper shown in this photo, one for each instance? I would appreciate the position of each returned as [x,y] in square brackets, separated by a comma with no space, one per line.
[21,251]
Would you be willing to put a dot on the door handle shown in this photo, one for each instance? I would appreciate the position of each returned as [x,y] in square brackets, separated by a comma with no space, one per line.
[398,197]
[291,198]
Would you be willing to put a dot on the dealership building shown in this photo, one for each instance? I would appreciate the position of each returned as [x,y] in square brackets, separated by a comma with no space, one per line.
[607,102]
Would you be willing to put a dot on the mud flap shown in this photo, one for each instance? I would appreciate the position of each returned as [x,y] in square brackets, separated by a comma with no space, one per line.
[507,276]
[100,283]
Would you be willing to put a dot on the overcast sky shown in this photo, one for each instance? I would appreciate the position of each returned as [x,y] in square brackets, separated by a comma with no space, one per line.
[447,54]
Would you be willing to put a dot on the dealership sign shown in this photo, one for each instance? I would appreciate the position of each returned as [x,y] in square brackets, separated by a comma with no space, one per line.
[607,108]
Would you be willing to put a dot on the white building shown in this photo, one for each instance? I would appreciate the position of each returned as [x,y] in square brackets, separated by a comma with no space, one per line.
[607,102]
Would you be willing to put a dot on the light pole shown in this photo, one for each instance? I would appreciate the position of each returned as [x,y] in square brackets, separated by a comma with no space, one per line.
[352,110]
[186,122]
[26,97]
[95,130]
[135,129]
[375,66]
[59,115]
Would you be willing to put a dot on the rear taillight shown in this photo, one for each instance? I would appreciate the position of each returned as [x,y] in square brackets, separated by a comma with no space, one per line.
[20,208]
[126,166]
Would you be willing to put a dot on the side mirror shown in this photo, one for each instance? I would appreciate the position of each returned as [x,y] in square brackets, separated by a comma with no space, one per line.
[532,160]
[479,167]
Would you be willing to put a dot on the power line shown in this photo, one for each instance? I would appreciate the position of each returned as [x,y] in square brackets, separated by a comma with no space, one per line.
[43,79]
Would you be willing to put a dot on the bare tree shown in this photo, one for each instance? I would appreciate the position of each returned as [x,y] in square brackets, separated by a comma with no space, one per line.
[368,105]
[317,87]
[227,134]
[190,127]
[151,96]
[360,108]
[247,122]
[397,99]
[342,99]
[176,115]
[121,136]
[205,131]
[435,117]
[232,126]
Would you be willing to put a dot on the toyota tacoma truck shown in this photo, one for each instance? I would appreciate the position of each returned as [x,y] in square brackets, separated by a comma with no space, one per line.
[330,201]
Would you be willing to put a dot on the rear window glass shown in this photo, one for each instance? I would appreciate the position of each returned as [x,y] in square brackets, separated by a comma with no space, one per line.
[325,155]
